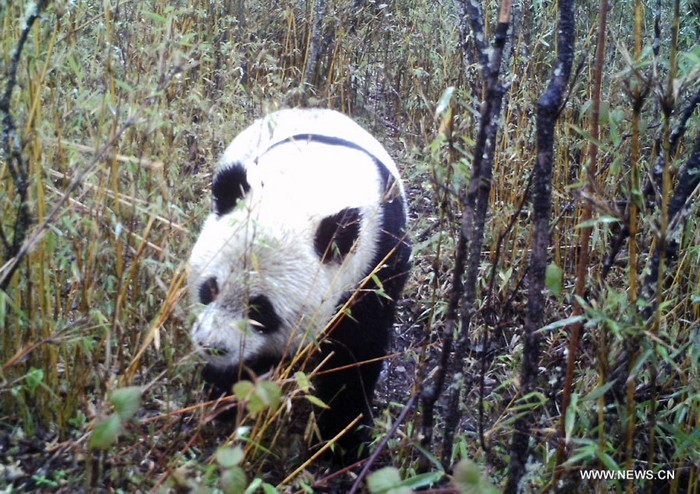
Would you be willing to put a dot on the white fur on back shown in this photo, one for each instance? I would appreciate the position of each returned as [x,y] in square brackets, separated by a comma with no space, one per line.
[280,125]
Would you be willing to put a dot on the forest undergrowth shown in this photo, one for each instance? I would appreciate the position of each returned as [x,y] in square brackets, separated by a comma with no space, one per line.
[551,324]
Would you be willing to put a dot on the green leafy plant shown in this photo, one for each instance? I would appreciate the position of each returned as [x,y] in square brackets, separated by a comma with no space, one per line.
[126,402]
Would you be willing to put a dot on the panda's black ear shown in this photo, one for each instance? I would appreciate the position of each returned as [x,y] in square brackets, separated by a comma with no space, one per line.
[208,291]
[336,235]
[230,185]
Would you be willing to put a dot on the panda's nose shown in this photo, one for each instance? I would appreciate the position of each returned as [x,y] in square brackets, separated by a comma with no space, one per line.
[207,338]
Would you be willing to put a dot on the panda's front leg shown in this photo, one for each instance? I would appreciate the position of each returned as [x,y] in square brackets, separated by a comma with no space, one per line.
[348,393]
[355,346]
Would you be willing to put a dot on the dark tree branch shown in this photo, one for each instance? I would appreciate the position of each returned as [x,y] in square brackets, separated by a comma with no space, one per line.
[682,126]
[315,50]
[433,391]
[652,186]
[547,112]
[476,203]
[476,20]
[473,39]
[492,309]
[12,151]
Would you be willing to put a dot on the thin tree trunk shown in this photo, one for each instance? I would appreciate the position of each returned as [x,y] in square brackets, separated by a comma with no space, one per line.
[16,164]
[548,109]
[475,208]
[315,49]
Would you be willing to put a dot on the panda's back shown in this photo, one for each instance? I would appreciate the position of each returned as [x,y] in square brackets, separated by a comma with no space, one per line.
[305,179]
[324,125]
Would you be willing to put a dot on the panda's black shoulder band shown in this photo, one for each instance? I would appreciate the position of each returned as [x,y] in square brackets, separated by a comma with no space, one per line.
[384,172]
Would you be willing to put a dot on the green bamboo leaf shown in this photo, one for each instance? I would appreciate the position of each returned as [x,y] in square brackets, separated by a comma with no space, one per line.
[386,481]
[316,401]
[124,85]
[422,480]
[554,279]
[229,457]
[242,390]
[469,480]
[587,135]
[608,461]
[303,381]
[561,323]
[234,481]
[254,485]
[601,220]
[35,377]
[270,393]
[106,432]
[269,489]
[156,17]
[598,391]
[126,401]
[444,102]
[570,419]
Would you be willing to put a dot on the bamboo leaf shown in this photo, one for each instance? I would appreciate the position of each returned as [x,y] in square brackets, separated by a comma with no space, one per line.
[105,433]
[554,279]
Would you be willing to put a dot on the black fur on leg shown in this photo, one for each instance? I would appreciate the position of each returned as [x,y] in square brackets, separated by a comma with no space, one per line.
[358,339]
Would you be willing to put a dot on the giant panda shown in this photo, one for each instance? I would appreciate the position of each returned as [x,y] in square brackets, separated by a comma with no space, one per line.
[306,243]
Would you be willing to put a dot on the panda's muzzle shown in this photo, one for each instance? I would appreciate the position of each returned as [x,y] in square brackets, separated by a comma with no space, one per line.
[224,340]
[217,355]
[211,339]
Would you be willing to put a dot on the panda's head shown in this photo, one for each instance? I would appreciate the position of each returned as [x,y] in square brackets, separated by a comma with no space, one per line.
[294,228]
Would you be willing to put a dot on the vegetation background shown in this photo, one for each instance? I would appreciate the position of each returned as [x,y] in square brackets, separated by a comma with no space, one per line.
[114,114]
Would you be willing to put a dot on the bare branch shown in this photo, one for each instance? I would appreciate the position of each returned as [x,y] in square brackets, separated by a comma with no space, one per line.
[547,113]
[12,149]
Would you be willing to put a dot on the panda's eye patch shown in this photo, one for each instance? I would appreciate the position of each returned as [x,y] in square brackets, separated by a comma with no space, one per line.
[208,291]
[262,314]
